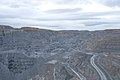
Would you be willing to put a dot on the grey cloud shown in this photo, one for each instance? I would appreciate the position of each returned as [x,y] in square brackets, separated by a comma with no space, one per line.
[20,3]
[93,14]
[15,6]
[57,11]
[65,19]
[100,23]
[110,3]
[12,3]
[84,16]
[81,16]
[7,12]
[72,1]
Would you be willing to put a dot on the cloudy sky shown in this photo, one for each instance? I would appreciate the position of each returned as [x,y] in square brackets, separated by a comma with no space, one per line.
[61,14]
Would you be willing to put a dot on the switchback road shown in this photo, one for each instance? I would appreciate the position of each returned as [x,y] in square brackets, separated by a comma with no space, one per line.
[92,61]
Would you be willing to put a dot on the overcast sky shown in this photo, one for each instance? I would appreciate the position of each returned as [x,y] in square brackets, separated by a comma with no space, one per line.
[61,14]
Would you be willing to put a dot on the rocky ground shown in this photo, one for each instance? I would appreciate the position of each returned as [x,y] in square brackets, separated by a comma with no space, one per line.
[40,54]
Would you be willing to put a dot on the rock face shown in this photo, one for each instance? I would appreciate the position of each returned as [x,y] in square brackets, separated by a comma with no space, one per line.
[39,54]
[107,41]
[110,45]
[17,63]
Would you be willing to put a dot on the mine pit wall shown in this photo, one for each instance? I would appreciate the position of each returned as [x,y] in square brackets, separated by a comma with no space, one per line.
[110,45]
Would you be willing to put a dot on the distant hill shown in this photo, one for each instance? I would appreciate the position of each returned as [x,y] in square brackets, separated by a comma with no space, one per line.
[28,29]
[5,27]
